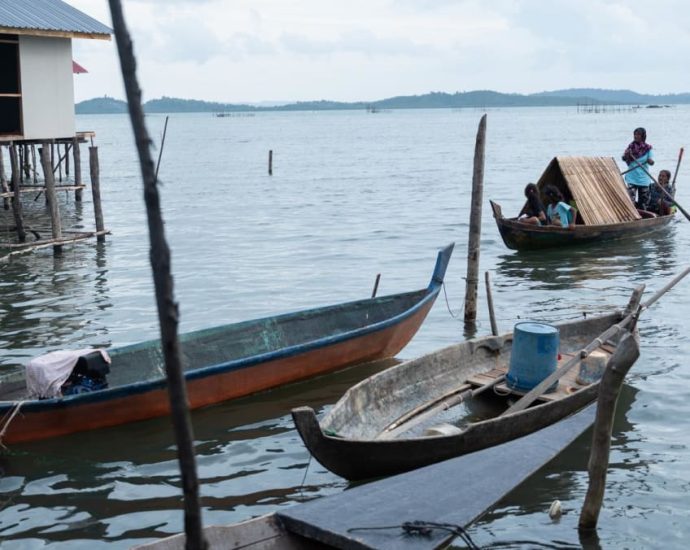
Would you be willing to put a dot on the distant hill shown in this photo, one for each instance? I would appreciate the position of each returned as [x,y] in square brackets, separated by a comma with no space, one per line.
[432,100]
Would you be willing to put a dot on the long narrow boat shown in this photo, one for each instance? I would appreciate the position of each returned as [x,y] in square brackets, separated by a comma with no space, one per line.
[604,211]
[518,235]
[226,362]
[448,403]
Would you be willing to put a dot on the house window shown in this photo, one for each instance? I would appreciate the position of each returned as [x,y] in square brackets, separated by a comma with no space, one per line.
[10,86]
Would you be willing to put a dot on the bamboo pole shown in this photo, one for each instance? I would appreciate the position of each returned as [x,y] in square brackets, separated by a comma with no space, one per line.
[51,197]
[96,192]
[475,226]
[168,313]
[376,285]
[617,367]
[77,168]
[16,198]
[490,303]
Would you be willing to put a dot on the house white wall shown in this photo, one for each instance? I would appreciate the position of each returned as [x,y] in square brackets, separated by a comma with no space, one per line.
[45,66]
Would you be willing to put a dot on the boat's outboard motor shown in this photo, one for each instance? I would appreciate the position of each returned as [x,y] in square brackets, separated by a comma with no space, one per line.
[89,374]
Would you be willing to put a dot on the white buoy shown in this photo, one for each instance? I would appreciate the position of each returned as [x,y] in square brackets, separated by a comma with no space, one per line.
[555,510]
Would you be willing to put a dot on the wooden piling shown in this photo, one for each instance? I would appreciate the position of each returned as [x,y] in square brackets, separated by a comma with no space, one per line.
[96,192]
[270,162]
[3,181]
[66,157]
[490,303]
[16,199]
[475,225]
[51,196]
[33,163]
[617,367]
[77,168]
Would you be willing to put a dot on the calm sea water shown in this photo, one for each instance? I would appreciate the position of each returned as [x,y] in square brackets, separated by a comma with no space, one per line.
[352,194]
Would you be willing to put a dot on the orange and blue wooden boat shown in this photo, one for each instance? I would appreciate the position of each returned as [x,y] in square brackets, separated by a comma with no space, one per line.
[226,362]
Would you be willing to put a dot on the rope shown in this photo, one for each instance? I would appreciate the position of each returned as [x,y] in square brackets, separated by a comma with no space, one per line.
[425,529]
[453,315]
[304,478]
[7,419]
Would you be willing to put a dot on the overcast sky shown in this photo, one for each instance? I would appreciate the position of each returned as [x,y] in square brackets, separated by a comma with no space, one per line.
[249,51]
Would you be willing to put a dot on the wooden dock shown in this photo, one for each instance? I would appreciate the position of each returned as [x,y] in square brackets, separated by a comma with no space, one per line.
[455,492]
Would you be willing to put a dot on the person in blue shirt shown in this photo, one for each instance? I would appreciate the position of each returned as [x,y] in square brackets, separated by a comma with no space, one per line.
[639,151]
[558,211]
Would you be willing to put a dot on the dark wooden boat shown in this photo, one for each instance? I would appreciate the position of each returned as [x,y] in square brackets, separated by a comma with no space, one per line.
[448,403]
[604,209]
[518,235]
[226,362]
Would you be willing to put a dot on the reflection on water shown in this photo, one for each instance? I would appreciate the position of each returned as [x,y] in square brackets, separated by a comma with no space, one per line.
[351,196]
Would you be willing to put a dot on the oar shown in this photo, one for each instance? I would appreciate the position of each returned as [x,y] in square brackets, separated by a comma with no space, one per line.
[665,193]
[527,399]
[680,157]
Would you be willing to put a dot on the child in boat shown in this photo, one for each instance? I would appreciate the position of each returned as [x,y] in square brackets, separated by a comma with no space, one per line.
[558,211]
[533,212]
[659,203]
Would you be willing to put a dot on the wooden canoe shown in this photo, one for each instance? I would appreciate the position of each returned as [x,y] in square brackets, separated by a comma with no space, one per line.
[518,235]
[409,416]
[227,362]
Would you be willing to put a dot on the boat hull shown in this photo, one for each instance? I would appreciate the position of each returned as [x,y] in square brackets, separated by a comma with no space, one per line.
[357,440]
[521,236]
[215,383]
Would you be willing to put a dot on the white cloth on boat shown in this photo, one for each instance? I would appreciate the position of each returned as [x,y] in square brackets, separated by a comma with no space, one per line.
[46,374]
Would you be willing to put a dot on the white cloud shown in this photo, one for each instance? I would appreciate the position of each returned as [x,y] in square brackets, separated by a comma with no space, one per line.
[256,50]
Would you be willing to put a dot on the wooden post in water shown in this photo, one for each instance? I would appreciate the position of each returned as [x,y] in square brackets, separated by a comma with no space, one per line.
[51,197]
[3,181]
[66,160]
[33,161]
[270,162]
[376,285]
[475,226]
[617,367]
[96,192]
[168,312]
[490,302]
[16,198]
[77,168]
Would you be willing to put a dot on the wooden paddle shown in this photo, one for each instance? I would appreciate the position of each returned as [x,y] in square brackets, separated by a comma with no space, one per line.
[680,157]
[665,193]
[632,312]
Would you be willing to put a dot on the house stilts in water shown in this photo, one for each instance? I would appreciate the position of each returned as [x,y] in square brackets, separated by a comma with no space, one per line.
[40,150]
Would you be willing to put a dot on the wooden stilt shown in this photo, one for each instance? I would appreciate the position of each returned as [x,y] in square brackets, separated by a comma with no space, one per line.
[66,157]
[51,197]
[472,281]
[96,191]
[3,181]
[20,159]
[609,388]
[33,162]
[77,168]
[16,199]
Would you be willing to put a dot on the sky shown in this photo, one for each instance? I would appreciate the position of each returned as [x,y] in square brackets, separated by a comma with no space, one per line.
[254,51]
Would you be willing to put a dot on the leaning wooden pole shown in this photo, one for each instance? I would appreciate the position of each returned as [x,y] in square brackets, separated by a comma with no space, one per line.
[617,367]
[168,313]
[51,196]
[490,303]
[472,280]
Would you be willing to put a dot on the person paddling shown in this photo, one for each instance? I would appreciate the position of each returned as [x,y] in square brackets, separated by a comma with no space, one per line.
[638,151]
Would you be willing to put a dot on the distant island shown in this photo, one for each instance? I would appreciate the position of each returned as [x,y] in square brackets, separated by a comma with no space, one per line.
[433,100]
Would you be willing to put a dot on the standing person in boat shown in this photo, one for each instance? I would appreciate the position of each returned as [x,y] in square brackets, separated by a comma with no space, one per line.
[637,179]
[659,203]
[533,212]
[558,211]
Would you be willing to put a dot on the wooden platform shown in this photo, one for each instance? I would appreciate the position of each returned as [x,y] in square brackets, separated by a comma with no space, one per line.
[457,491]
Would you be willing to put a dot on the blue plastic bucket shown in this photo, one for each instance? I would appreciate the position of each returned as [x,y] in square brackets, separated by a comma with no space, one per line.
[534,355]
